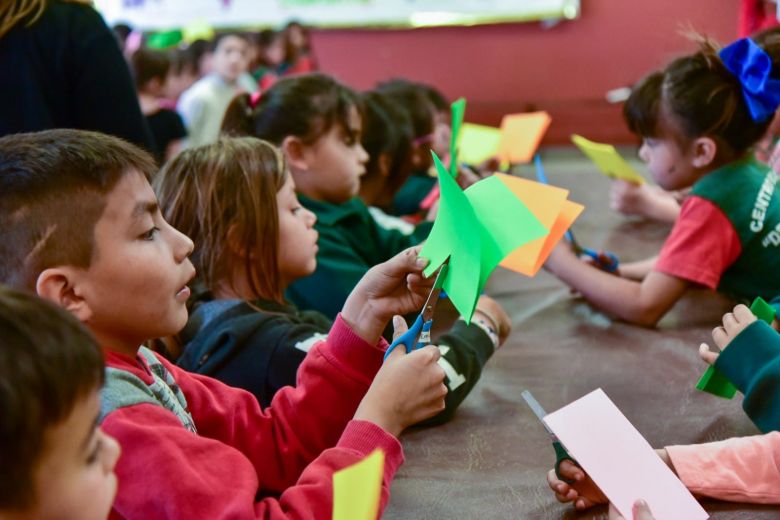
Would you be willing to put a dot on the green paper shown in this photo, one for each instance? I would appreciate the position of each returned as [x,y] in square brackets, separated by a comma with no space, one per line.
[476,230]
[713,380]
[164,40]
[762,310]
[478,143]
[457,111]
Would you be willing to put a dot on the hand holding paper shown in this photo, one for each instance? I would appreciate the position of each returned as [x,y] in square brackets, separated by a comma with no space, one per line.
[500,219]
[608,160]
[619,460]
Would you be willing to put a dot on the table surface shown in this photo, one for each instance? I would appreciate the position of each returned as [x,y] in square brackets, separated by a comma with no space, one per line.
[491,460]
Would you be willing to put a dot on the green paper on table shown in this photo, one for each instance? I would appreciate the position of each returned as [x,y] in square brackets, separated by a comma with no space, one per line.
[478,143]
[476,230]
[608,160]
[713,380]
[457,112]
[356,489]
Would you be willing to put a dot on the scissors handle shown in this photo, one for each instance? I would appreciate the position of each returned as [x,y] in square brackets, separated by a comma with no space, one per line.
[409,338]
[603,259]
[560,455]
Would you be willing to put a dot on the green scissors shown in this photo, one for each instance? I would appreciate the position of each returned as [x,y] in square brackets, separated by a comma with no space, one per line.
[422,325]
[560,452]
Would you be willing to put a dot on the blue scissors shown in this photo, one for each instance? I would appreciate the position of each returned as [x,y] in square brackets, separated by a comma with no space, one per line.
[560,452]
[603,259]
[422,325]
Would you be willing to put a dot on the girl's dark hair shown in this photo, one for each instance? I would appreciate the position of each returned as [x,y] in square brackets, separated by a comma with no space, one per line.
[149,64]
[694,96]
[387,129]
[305,106]
[415,98]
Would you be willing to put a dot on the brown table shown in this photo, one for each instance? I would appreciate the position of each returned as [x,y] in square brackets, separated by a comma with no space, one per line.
[491,460]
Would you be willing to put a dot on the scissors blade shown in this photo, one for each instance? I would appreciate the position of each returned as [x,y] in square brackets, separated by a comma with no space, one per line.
[537,409]
[433,296]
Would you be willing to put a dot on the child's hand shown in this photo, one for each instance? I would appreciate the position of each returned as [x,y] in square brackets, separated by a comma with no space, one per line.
[628,198]
[494,313]
[466,177]
[393,287]
[584,492]
[409,388]
[733,323]
[641,511]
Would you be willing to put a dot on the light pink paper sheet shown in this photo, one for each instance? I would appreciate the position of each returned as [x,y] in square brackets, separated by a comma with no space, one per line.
[619,460]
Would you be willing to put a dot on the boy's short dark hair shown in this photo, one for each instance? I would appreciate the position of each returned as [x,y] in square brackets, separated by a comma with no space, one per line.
[149,64]
[415,99]
[48,361]
[53,188]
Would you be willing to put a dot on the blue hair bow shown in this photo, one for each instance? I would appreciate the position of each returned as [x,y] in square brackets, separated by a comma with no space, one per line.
[753,67]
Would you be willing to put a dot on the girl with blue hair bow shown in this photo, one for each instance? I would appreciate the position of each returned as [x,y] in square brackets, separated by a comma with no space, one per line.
[699,119]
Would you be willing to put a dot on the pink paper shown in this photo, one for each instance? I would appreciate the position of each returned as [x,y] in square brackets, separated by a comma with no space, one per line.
[619,459]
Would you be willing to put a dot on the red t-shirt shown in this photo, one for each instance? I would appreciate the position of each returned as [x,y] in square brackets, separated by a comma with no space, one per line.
[702,244]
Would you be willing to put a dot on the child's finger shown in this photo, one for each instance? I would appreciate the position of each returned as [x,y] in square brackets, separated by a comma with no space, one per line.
[642,511]
[613,513]
[707,355]
[399,327]
[743,314]
[570,471]
[720,337]
[729,322]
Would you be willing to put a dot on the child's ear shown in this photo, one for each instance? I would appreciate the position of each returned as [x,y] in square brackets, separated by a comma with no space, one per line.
[704,151]
[295,152]
[58,285]
[384,163]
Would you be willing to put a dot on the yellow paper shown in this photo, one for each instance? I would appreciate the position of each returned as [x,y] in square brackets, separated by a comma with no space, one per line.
[478,143]
[198,29]
[608,160]
[521,135]
[356,489]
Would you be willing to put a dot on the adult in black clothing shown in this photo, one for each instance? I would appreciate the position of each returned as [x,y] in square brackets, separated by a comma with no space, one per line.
[60,67]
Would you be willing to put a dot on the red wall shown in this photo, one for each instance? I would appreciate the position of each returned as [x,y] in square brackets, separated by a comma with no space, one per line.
[507,68]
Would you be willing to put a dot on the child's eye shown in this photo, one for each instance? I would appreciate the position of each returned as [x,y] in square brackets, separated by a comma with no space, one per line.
[149,235]
[296,209]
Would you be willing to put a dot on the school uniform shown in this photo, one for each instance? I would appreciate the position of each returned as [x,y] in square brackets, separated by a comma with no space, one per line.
[350,243]
[193,447]
[727,236]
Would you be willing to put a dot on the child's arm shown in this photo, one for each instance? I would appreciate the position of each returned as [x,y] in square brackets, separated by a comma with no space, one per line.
[644,200]
[637,270]
[464,351]
[643,303]
[750,359]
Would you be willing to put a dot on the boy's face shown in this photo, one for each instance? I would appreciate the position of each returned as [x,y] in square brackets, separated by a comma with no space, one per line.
[337,160]
[74,478]
[230,58]
[136,286]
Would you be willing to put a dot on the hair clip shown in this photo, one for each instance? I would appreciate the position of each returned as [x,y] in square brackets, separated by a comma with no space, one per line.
[753,67]
[254,99]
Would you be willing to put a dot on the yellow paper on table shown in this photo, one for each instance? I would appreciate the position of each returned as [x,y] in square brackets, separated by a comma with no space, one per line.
[356,489]
[608,160]
[550,206]
[521,135]
[478,143]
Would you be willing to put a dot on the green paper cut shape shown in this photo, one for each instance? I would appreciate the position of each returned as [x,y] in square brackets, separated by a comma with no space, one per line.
[475,230]
[713,380]
[457,111]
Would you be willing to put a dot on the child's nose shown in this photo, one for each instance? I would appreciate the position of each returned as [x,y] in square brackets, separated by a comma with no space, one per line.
[113,450]
[311,218]
[183,245]
[362,154]
[643,152]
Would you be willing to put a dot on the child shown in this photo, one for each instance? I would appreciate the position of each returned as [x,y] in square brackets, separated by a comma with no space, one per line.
[270,47]
[236,196]
[151,69]
[203,105]
[57,463]
[645,200]
[317,123]
[698,129]
[80,225]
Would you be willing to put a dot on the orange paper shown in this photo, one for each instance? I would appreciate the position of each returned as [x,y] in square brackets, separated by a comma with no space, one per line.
[550,206]
[521,135]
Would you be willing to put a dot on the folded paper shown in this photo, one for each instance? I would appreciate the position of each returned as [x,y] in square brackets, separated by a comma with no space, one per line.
[608,160]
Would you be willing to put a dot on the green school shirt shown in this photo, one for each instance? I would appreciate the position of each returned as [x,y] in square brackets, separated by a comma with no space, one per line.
[411,194]
[745,192]
[350,243]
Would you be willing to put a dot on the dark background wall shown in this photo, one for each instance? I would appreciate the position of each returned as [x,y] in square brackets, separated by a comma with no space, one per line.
[565,69]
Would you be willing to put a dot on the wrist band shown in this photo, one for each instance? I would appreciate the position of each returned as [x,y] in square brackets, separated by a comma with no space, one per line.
[488,329]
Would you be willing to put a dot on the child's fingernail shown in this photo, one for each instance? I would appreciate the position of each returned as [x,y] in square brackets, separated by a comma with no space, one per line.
[397,321]
[421,262]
